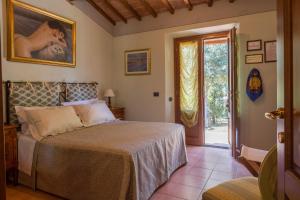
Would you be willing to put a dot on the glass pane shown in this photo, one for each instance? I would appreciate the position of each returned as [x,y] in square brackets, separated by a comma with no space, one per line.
[188,53]
[216,92]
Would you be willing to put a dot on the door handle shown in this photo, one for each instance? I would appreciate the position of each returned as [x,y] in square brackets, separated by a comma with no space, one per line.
[277,114]
[281,137]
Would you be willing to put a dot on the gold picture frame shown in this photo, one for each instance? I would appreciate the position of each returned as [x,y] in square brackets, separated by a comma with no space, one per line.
[40,37]
[137,62]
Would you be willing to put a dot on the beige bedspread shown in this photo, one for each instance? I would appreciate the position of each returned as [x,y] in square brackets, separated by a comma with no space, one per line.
[120,160]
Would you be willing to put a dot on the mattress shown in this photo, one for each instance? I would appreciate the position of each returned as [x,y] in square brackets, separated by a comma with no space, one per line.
[119,160]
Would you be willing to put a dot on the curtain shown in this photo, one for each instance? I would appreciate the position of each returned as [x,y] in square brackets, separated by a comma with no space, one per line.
[189,98]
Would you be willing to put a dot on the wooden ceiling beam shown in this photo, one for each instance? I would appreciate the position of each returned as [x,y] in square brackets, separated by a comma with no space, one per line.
[169,6]
[111,7]
[188,4]
[210,3]
[101,11]
[149,8]
[131,9]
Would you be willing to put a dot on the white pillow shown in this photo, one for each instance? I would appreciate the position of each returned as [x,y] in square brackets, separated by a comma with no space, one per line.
[92,114]
[52,121]
[73,103]
[22,118]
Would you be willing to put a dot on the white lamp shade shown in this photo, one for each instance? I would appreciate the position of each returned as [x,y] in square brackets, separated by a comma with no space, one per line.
[109,93]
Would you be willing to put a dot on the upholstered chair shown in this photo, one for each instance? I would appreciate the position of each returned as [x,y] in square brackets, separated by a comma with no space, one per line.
[249,188]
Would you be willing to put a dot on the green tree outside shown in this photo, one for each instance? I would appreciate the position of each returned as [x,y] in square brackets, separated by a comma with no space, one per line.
[216,82]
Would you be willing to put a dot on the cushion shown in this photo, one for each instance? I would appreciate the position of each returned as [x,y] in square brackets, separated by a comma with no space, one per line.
[52,121]
[267,178]
[22,117]
[92,114]
[238,189]
[73,103]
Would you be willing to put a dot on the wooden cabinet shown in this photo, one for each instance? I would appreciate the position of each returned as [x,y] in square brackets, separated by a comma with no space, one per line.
[118,112]
[11,152]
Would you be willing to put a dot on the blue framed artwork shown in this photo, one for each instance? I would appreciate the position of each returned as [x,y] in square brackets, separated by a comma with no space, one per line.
[254,86]
[138,62]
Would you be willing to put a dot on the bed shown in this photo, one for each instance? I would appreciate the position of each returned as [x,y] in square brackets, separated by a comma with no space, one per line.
[115,160]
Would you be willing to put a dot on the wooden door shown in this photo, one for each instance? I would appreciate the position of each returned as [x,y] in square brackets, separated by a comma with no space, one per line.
[288,127]
[233,130]
[2,158]
[194,134]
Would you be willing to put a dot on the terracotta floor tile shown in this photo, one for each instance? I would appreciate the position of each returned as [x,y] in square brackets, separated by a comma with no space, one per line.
[189,180]
[201,172]
[158,196]
[192,161]
[211,183]
[222,176]
[205,165]
[209,158]
[183,170]
[226,167]
[200,196]
[180,191]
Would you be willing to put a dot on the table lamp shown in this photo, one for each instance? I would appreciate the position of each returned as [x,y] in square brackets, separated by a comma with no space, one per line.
[109,93]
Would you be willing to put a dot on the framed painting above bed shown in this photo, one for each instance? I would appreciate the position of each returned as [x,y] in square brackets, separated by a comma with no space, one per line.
[38,36]
[138,62]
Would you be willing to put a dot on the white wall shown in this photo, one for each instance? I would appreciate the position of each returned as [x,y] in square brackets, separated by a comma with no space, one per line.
[94,50]
[135,92]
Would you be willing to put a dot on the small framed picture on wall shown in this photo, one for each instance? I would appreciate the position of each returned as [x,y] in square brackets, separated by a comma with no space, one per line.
[270,51]
[138,62]
[254,59]
[254,45]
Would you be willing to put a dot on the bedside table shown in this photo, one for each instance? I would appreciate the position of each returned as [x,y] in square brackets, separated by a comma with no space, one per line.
[11,151]
[118,112]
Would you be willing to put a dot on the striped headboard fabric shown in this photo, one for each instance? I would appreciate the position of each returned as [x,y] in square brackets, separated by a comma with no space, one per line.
[44,94]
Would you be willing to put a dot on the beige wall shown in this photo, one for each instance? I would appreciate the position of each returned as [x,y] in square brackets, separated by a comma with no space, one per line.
[135,92]
[94,50]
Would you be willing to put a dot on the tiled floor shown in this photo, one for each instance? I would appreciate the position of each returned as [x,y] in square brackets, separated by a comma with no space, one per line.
[207,167]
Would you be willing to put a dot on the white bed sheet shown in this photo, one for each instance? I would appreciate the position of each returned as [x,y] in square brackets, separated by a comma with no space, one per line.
[26,145]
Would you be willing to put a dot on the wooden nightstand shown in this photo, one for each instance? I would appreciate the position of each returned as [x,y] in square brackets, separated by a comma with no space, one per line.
[11,152]
[118,112]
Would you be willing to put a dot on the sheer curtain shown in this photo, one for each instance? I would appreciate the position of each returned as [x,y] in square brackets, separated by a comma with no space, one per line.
[189,98]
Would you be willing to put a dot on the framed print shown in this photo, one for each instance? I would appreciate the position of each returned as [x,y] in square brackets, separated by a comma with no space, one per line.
[254,45]
[138,62]
[254,59]
[270,51]
[38,36]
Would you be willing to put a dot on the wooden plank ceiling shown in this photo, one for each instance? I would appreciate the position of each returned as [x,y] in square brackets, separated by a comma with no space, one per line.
[122,10]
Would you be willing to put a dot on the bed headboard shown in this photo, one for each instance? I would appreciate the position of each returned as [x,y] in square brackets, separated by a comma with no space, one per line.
[80,91]
[22,93]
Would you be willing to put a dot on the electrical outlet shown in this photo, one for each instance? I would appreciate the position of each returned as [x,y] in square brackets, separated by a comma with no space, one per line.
[156,94]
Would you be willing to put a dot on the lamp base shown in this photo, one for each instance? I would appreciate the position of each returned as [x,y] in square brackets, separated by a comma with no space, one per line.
[109,102]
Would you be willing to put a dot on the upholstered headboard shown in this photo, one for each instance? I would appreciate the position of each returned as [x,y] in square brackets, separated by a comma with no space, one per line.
[28,94]
[80,91]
